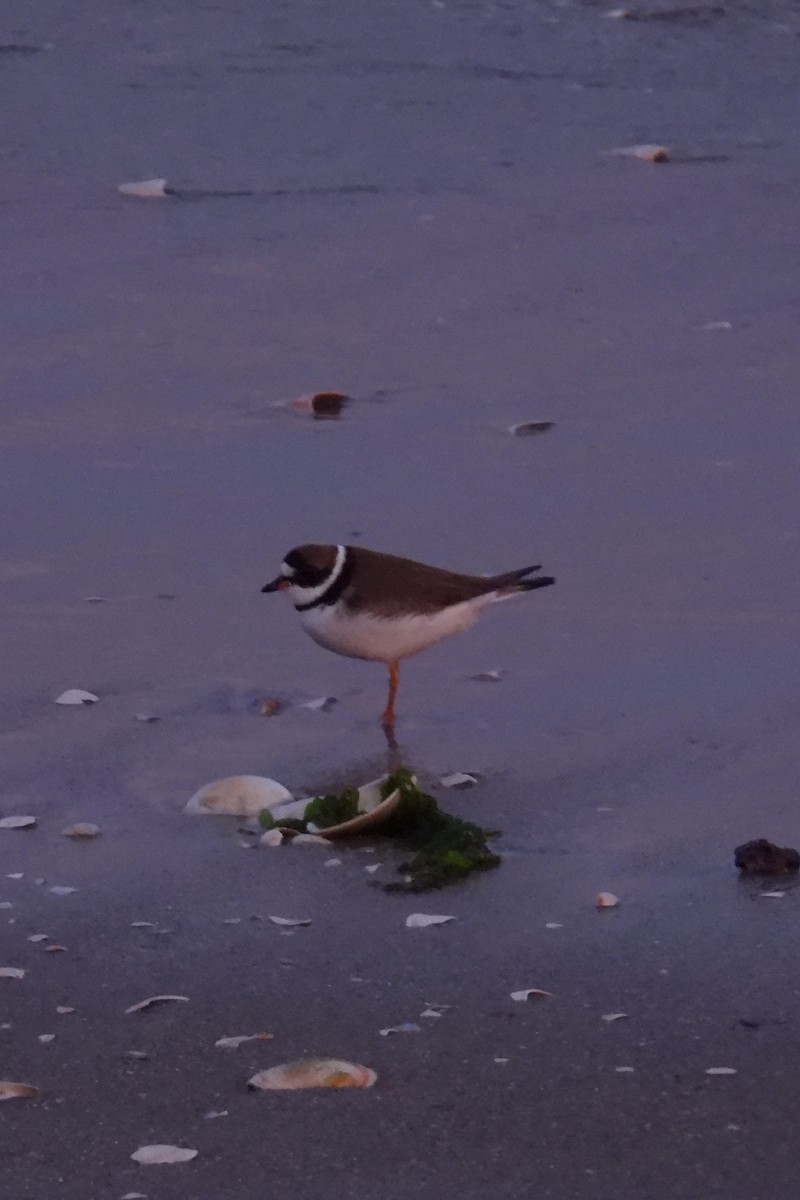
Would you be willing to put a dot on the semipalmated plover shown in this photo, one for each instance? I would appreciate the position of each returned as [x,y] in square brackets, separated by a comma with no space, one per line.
[363,604]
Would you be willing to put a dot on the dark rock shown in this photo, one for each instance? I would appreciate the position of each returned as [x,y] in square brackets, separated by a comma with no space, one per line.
[325,405]
[763,858]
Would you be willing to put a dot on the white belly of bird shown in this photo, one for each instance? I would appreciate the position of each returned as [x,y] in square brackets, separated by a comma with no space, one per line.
[386,639]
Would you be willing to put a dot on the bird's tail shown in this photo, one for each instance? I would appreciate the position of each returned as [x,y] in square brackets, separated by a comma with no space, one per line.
[517,581]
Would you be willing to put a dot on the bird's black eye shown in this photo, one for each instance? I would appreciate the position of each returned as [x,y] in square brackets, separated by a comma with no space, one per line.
[303,573]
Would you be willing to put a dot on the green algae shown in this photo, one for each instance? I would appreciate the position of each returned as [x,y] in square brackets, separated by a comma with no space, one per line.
[333,809]
[445,848]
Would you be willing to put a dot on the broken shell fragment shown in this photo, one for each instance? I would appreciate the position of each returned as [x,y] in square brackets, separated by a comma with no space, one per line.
[372,810]
[459,779]
[145,189]
[313,1073]
[238,796]
[17,1091]
[606,900]
[423,920]
[154,1155]
[77,696]
[231,1043]
[531,993]
[12,973]
[18,822]
[647,152]
[151,1000]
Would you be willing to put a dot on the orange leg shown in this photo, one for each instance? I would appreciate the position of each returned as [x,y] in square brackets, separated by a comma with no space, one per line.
[394,680]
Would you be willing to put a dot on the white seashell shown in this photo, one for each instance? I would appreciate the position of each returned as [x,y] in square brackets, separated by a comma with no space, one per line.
[294,810]
[459,779]
[647,152]
[151,1000]
[77,696]
[232,1043]
[423,920]
[527,993]
[313,1073]
[273,837]
[152,1155]
[84,829]
[17,823]
[606,900]
[146,189]
[238,796]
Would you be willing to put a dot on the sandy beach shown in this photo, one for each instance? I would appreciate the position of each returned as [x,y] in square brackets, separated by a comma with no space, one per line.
[417,204]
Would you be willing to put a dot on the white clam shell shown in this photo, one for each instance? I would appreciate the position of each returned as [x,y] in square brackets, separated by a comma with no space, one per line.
[239,796]
[313,1073]
[146,189]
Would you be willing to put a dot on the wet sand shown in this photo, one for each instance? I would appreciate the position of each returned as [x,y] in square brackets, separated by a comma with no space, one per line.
[435,227]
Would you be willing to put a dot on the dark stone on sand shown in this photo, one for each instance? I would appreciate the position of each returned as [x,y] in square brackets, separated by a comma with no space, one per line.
[763,858]
[326,405]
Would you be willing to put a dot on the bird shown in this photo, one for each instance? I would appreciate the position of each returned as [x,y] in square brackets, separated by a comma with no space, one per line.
[365,604]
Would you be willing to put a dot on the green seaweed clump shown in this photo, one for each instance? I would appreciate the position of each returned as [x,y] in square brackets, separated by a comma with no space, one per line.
[333,809]
[447,848]
[267,821]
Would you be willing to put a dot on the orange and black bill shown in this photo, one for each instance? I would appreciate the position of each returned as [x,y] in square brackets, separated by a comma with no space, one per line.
[277,585]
